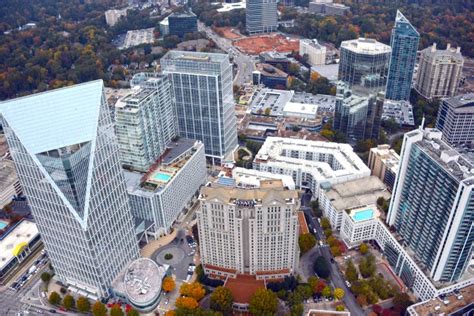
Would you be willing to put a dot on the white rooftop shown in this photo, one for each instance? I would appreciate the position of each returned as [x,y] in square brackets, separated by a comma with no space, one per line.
[56,118]
[24,232]
[251,178]
[300,108]
[226,7]
[366,46]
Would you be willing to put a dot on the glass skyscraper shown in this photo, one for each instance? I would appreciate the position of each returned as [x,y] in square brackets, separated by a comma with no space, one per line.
[432,205]
[404,43]
[202,91]
[67,159]
[261,16]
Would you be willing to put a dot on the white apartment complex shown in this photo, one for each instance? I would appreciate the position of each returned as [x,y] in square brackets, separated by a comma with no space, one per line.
[145,121]
[67,158]
[316,52]
[249,231]
[310,163]
[439,72]
[160,195]
[335,199]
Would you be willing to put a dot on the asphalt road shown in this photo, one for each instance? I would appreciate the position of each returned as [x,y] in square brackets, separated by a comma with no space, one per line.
[243,62]
[308,259]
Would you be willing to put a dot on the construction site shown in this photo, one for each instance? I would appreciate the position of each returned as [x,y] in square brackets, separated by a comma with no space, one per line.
[254,45]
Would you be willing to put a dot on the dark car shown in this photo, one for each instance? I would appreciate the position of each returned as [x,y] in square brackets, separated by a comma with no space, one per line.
[189,239]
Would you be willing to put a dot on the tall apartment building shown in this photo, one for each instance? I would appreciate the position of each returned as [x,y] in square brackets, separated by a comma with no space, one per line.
[261,16]
[310,163]
[456,119]
[202,91]
[384,162]
[364,65]
[145,122]
[432,206]
[316,52]
[404,44]
[67,158]
[357,117]
[439,72]
[249,231]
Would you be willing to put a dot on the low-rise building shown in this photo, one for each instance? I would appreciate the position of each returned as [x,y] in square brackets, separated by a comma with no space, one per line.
[327,7]
[335,199]
[16,244]
[181,23]
[270,76]
[310,163]
[316,52]
[275,59]
[9,183]
[113,16]
[384,162]
[359,224]
[301,110]
[249,231]
[160,195]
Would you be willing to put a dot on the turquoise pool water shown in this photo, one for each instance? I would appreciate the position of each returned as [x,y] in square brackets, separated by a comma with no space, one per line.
[3,224]
[363,215]
[163,177]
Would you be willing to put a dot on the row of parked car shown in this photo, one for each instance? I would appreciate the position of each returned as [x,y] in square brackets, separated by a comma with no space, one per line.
[27,275]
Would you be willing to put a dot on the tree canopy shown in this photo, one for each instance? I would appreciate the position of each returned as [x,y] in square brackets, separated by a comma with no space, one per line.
[306,242]
[222,300]
[321,267]
[263,302]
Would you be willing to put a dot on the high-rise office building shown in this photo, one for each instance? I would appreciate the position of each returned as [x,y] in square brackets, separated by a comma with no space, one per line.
[249,231]
[439,72]
[66,154]
[145,122]
[456,119]
[261,16]
[358,117]
[432,206]
[181,23]
[404,44]
[202,91]
[364,65]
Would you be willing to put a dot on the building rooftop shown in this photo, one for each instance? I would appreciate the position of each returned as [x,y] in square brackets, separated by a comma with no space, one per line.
[345,162]
[366,46]
[182,14]
[400,111]
[314,43]
[243,287]
[269,70]
[226,7]
[460,166]
[462,104]
[388,156]
[364,213]
[14,239]
[249,178]
[8,174]
[140,281]
[275,56]
[57,118]
[450,52]
[300,108]
[363,191]
[457,303]
[269,191]
[195,57]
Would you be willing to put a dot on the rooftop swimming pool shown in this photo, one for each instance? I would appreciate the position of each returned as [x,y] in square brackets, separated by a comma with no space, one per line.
[363,215]
[3,224]
[161,177]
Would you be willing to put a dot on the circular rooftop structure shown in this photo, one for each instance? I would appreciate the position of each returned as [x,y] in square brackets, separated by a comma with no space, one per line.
[142,281]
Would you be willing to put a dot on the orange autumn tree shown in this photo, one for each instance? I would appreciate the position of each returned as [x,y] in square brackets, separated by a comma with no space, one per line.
[168,284]
[194,290]
[186,302]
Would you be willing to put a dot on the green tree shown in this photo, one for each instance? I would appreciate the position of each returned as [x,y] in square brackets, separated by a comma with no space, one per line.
[69,302]
[325,223]
[351,272]
[83,304]
[338,293]
[306,242]
[315,207]
[402,300]
[327,292]
[305,290]
[54,298]
[263,302]
[363,248]
[116,310]
[380,200]
[340,308]
[99,309]
[221,300]
[321,267]
[367,266]
[268,111]
[328,232]
[45,277]
[133,312]
[312,281]
[297,309]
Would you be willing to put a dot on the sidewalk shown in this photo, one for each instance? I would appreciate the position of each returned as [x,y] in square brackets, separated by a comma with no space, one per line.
[153,245]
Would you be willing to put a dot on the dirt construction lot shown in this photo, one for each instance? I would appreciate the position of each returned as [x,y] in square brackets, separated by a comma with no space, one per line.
[255,45]
[227,32]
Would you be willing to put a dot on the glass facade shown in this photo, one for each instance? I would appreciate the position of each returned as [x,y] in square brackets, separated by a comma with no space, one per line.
[182,23]
[202,89]
[74,183]
[261,16]
[404,43]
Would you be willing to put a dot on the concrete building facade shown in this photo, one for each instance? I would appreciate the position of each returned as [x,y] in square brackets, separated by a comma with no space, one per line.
[67,158]
[383,163]
[456,119]
[439,72]
[316,52]
[249,231]
[261,16]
